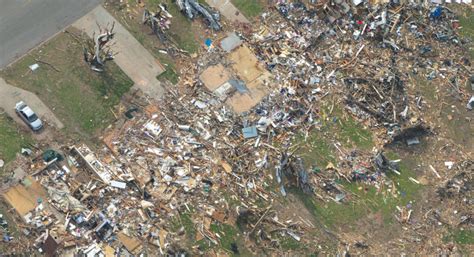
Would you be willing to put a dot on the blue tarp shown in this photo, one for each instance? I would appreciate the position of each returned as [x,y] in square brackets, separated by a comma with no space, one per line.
[239,85]
[250,132]
[436,12]
[208,42]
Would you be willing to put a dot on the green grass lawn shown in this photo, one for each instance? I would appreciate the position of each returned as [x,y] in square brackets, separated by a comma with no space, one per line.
[11,139]
[250,8]
[319,150]
[180,29]
[463,237]
[466,20]
[12,229]
[170,73]
[81,98]
[467,23]
[368,201]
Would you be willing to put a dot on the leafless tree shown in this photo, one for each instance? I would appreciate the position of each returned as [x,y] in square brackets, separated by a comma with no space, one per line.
[97,49]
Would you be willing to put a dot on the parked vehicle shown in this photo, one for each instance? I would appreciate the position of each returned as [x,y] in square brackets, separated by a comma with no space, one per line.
[28,115]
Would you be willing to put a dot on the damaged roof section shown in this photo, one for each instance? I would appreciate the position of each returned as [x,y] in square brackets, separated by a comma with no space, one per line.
[219,149]
[243,82]
[25,196]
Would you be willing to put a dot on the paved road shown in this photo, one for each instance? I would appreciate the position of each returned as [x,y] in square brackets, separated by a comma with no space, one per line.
[132,57]
[26,23]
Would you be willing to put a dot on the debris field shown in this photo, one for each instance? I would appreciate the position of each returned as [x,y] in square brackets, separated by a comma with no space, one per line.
[222,148]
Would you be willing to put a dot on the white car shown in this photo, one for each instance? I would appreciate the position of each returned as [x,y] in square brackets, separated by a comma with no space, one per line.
[28,115]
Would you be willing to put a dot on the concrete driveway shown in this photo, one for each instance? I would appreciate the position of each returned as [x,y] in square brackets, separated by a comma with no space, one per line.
[10,95]
[132,57]
[228,10]
[26,23]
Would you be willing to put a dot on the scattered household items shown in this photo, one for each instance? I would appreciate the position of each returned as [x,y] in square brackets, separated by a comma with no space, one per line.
[470,104]
[213,150]
[33,67]
[159,21]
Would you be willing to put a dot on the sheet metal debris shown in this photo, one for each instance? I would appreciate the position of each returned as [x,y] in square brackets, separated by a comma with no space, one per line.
[189,153]
[192,8]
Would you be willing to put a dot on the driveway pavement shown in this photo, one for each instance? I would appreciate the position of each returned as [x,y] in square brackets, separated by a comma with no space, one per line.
[132,57]
[26,23]
[227,9]
[10,95]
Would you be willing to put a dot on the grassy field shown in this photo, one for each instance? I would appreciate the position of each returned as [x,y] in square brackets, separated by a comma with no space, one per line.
[11,139]
[336,126]
[362,200]
[463,237]
[368,199]
[466,19]
[180,28]
[250,8]
[12,229]
[81,98]
[170,73]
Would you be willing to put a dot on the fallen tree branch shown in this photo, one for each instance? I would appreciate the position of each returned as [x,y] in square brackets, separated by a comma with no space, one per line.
[49,64]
